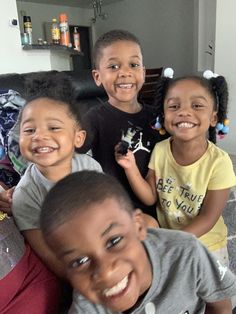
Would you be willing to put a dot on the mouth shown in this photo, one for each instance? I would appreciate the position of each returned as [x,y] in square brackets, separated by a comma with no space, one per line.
[118,289]
[125,86]
[43,150]
[185,125]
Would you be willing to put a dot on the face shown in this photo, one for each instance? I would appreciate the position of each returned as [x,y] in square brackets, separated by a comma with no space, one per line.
[105,259]
[121,72]
[48,134]
[188,111]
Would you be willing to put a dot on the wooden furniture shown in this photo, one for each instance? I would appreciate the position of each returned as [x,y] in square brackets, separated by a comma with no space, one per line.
[147,93]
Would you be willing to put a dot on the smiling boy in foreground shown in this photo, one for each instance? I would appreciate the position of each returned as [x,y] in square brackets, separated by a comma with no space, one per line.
[115,265]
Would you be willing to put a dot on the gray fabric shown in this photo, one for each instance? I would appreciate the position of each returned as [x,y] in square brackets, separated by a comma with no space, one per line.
[30,192]
[185,276]
[12,246]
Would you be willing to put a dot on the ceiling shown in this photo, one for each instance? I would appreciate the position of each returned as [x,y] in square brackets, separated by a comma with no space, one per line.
[71,3]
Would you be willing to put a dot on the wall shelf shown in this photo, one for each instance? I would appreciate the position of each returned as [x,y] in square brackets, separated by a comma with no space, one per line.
[56,48]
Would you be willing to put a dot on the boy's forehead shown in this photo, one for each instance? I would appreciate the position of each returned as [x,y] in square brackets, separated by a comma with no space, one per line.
[117,47]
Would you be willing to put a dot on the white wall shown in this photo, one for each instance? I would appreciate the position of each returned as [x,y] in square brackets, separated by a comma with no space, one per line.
[13,58]
[41,13]
[164,27]
[225,64]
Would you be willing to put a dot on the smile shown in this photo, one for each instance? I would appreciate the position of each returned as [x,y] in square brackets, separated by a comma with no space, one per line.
[125,86]
[117,289]
[43,150]
[185,125]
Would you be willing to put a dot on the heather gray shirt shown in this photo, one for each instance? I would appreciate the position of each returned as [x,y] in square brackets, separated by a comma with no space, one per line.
[185,277]
[30,192]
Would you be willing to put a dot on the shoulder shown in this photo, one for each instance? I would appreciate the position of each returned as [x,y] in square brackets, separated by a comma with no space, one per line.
[81,305]
[85,162]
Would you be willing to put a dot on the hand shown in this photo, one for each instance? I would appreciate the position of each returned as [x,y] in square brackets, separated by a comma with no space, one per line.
[6,198]
[126,161]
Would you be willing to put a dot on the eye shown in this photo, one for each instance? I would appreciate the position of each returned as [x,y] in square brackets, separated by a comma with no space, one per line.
[135,65]
[54,128]
[79,262]
[113,66]
[173,106]
[113,241]
[29,130]
[197,105]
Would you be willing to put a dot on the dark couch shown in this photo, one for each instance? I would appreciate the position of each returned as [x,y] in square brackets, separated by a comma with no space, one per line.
[87,93]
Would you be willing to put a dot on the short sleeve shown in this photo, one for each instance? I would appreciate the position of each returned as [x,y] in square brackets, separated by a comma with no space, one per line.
[223,175]
[214,280]
[26,208]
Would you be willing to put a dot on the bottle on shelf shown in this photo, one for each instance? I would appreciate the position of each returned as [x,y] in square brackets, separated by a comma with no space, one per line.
[28,28]
[76,37]
[64,30]
[55,31]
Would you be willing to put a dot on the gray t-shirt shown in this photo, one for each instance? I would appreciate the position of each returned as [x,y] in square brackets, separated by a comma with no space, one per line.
[185,277]
[30,192]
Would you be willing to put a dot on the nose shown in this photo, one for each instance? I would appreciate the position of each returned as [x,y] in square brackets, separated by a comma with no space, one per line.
[40,134]
[104,270]
[125,71]
[184,111]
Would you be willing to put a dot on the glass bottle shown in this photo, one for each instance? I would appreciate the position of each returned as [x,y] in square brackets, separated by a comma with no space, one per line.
[55,31]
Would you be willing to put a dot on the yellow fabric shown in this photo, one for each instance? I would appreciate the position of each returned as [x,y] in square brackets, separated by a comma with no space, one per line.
[181,189]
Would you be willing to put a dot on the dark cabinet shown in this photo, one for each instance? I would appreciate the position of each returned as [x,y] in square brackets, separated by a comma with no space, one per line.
[82,61]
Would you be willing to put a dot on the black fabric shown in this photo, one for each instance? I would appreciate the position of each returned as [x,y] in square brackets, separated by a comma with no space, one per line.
[105,126]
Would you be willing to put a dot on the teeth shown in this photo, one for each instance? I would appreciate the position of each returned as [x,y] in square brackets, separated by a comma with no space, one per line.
[43,150]
[186,125]
[125,86]
[117,288]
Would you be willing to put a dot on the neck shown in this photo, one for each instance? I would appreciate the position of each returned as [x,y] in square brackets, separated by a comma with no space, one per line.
[55,173]
[129,107]
[186,153]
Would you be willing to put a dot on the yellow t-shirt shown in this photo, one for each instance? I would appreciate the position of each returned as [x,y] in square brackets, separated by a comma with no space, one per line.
[181,189]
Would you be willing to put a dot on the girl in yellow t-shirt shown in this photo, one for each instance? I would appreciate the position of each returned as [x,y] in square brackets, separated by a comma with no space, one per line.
[189,176]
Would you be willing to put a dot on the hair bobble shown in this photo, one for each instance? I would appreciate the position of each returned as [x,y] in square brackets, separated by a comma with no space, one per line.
[208,74]
[168,72]
[222,128]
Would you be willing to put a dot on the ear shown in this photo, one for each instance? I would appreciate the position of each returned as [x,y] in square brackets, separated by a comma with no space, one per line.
[214,119]
[79,138]
[139,223]
[96,77]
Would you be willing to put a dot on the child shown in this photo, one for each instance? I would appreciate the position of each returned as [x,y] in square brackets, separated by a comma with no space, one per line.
[118,67]
[117,266]
[49,132]
[188,174]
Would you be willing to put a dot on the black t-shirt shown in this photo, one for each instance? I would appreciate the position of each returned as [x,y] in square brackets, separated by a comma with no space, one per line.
[106,126]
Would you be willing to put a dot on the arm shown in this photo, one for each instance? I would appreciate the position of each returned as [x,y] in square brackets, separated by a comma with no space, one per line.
[212,207]
[219,307]
[145,189]
[36,241]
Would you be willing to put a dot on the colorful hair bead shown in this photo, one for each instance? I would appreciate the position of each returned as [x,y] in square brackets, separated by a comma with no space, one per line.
[157,126]
[222,128]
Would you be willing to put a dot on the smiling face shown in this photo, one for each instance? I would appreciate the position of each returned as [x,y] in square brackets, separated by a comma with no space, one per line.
[121,72]
[104,257]
[188,110]
[48,134]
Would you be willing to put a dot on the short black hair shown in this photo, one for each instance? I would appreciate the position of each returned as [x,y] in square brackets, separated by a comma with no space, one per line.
[53,85]
[108,39]
[77,192]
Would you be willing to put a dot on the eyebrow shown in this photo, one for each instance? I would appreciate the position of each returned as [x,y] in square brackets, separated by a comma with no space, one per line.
[117,58]
[109,228]
[192,97]
[48,120]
